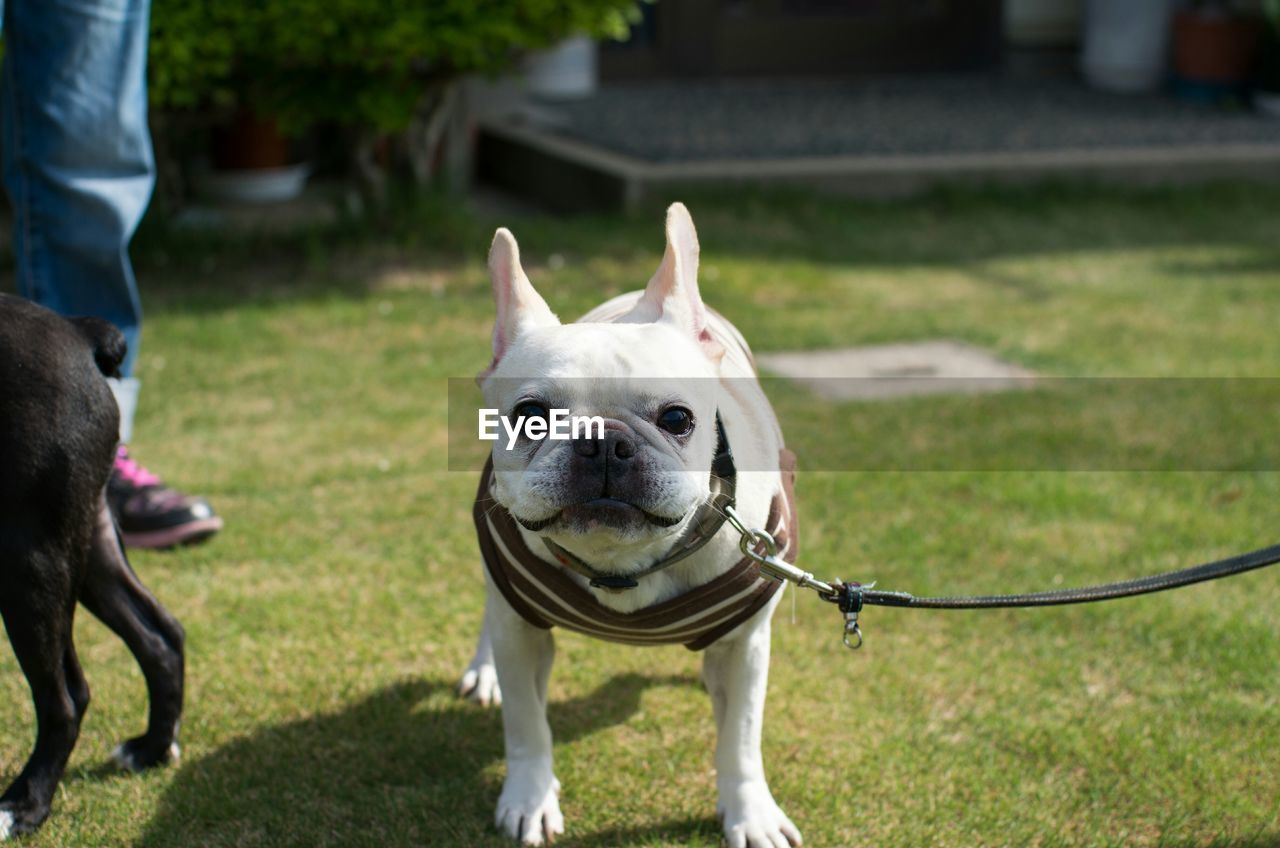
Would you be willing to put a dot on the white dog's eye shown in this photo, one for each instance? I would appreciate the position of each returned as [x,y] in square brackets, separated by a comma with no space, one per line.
[676,420]
[531,409]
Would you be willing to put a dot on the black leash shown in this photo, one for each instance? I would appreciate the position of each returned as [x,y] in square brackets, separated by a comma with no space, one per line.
[851,597]
[1085,594]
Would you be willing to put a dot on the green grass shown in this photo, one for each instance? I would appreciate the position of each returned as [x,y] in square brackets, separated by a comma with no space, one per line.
[301,384]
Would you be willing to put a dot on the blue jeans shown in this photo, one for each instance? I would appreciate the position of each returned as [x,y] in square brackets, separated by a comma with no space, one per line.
[78,164]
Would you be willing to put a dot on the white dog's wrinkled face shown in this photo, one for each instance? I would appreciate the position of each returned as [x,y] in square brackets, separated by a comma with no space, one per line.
[652,468]
[651,378]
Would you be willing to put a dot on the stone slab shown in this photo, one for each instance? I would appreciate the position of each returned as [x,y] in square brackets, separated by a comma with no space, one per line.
[898,370]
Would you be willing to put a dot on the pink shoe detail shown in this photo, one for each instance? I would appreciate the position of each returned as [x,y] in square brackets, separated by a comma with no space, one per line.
[133,473]
[151,514]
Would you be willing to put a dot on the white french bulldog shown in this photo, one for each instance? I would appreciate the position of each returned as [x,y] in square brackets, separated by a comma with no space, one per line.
[605,535]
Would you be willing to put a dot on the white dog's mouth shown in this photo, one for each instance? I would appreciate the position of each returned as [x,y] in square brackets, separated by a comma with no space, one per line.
[600,513]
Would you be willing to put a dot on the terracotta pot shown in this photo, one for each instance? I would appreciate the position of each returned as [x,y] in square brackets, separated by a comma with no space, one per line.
[1218,49]
[248,142]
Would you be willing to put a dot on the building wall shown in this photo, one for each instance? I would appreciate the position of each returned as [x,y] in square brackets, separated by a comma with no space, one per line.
[721,38]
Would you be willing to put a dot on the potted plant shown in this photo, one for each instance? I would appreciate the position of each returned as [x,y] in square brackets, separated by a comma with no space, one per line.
[1215,45]
[383,75]
[203,82]
[1266,97]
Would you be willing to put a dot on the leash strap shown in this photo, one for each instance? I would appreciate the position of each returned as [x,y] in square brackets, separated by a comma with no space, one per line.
[851,596]
[1085,594]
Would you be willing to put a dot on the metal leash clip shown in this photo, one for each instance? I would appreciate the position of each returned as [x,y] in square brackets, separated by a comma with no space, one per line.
[778,569]
[752,537]
[849,599]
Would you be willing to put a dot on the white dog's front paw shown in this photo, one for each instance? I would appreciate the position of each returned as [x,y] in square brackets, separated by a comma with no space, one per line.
[752,819]
[480,684]
[529,806]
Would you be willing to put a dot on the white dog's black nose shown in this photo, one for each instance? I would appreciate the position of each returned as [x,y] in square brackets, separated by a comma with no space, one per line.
[614,445]
[620,445]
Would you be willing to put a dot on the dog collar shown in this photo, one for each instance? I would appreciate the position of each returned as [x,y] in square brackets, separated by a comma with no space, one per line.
[706,523]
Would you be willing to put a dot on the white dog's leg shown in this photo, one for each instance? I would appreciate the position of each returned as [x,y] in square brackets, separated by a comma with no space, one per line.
[736,671]
[529,806]
[480,681]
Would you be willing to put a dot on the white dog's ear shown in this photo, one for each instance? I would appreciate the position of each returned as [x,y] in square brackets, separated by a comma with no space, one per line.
[672,294]
[519,307]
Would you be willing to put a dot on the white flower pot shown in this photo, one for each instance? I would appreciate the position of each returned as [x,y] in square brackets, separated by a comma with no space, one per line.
[1126,44]
[252,186]
[565,72]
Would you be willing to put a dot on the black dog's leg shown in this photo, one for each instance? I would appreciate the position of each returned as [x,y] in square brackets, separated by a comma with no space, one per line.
[37,616]
[113,593]
[77,686]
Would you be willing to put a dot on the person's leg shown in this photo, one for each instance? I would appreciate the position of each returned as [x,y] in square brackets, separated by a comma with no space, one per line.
[79,170]
[78,162]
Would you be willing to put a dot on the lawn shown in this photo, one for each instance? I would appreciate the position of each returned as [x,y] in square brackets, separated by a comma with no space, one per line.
[301,383]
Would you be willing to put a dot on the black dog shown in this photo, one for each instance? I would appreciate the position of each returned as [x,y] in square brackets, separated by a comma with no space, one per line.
[59,545]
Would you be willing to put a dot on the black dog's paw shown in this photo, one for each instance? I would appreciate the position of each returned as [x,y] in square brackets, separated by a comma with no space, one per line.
[17,819]
[141,753]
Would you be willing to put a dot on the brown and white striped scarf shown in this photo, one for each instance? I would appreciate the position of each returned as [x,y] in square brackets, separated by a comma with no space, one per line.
[546,596]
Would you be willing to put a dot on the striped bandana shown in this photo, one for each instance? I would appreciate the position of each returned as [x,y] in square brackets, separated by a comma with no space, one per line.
[546,596]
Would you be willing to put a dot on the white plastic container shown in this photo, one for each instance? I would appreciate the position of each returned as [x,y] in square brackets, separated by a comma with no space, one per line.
[1126,44]
[260,185]
[565,72]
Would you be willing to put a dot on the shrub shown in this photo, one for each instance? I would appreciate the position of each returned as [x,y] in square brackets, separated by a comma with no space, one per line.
[362,63]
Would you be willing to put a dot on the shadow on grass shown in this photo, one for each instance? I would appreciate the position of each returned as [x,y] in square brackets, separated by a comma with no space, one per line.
[387,770]
[675,832]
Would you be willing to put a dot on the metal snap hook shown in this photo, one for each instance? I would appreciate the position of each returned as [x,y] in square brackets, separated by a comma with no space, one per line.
[851,628]
[756,537]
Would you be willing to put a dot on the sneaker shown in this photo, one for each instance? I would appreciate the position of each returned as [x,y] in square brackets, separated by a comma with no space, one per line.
[150,514]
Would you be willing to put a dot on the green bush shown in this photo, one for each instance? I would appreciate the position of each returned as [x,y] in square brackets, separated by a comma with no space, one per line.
[352,62]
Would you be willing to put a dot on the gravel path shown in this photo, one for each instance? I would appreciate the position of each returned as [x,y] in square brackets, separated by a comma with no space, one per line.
[681,121]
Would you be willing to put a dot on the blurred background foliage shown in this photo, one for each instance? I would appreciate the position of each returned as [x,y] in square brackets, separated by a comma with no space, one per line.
[349,62]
